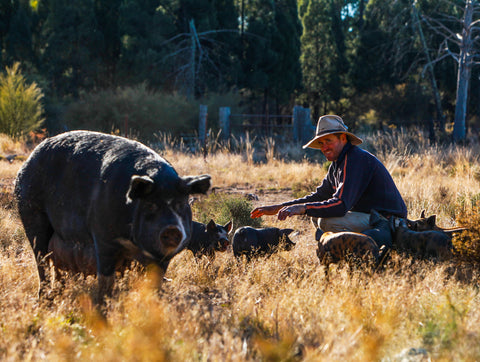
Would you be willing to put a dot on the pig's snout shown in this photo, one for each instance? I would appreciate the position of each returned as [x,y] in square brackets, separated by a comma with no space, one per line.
[224,243]
[170,238]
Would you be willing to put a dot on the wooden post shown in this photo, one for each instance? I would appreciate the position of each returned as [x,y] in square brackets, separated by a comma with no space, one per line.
[224,120]
[302,126]
[202,125]
[307,129]
[296,123]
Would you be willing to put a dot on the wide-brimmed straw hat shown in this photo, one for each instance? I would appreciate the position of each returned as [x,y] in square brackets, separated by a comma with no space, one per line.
[331,124]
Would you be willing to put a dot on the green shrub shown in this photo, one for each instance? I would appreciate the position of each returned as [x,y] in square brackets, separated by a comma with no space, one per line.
[21,110]
[143,111]
[223,208]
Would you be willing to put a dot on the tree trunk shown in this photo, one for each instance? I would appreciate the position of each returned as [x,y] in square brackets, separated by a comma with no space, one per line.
[361,10]
[459,128]
[190,76]
[463,77]
[433,82]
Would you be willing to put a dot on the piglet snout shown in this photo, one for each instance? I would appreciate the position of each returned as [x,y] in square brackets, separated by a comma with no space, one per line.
[224,243]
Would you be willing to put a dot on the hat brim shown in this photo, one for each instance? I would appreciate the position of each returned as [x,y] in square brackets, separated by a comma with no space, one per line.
[354,140]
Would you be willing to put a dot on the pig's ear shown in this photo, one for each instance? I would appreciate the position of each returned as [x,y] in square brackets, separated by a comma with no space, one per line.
[197,184]
[211,225]
[375,217]
[287,231]
[140,187]
[229,226]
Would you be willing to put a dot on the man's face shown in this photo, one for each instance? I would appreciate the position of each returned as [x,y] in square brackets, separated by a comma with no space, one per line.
[332,145]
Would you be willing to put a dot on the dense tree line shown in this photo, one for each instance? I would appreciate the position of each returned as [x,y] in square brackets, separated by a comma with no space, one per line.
[364,59]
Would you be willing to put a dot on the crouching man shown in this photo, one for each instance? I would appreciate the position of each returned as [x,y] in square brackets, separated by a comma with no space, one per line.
[356,183]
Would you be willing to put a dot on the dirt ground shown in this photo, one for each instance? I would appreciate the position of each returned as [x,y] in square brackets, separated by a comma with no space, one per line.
[258,197]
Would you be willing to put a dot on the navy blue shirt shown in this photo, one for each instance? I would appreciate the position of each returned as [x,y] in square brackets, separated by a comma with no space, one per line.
[356,181]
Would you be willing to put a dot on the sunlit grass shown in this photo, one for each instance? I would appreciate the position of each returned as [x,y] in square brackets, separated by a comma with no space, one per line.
[277,308]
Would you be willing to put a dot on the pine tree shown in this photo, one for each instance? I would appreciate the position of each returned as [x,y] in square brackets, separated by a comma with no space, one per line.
[271,50]
[73,44]
[21,110]
[318,54]
[18,40]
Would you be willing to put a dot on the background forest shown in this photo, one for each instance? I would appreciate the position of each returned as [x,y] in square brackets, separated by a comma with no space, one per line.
[377,63]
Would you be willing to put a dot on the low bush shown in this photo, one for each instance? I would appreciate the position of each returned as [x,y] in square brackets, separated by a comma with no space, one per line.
[223,208]
[136,111]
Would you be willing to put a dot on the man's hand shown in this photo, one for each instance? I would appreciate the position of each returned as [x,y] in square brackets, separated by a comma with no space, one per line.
[291,210]
[265,210]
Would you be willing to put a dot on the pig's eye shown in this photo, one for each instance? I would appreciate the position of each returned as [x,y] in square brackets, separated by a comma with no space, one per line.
[179,203]
[173,202]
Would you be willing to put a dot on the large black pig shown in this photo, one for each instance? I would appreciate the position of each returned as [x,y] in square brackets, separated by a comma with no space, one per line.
[108,194]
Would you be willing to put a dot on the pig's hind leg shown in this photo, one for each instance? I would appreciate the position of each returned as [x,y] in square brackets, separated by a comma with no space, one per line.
[39,231]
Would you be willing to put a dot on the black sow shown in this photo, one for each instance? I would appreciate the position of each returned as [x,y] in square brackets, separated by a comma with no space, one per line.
[107,196]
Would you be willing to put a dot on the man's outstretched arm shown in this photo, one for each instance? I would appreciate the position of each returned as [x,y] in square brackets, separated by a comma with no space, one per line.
[265,210]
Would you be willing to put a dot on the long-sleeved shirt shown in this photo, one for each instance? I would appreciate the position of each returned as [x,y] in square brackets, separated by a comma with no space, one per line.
[356,181]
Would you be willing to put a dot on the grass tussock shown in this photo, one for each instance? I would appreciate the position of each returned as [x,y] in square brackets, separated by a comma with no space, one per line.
[273,308]
[467,243]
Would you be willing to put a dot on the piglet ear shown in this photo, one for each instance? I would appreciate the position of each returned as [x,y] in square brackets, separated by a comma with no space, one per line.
[228,226]
[140,187]
[287,231]
[411,224]
[374,217]
[431,220]
[197,184]
[211,225]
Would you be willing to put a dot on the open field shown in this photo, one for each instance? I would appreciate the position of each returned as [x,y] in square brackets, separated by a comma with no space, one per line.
[279,308]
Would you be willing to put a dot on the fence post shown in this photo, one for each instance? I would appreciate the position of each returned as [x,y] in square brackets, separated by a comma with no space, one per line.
[202,125]
[301,124]
[296,123]
[224,121]
[307,128]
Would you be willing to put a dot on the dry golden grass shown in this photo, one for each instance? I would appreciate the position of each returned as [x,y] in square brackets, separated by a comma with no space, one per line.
[272,309]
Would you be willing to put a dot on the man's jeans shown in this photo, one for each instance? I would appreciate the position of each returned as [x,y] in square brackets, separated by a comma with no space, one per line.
[352,221]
